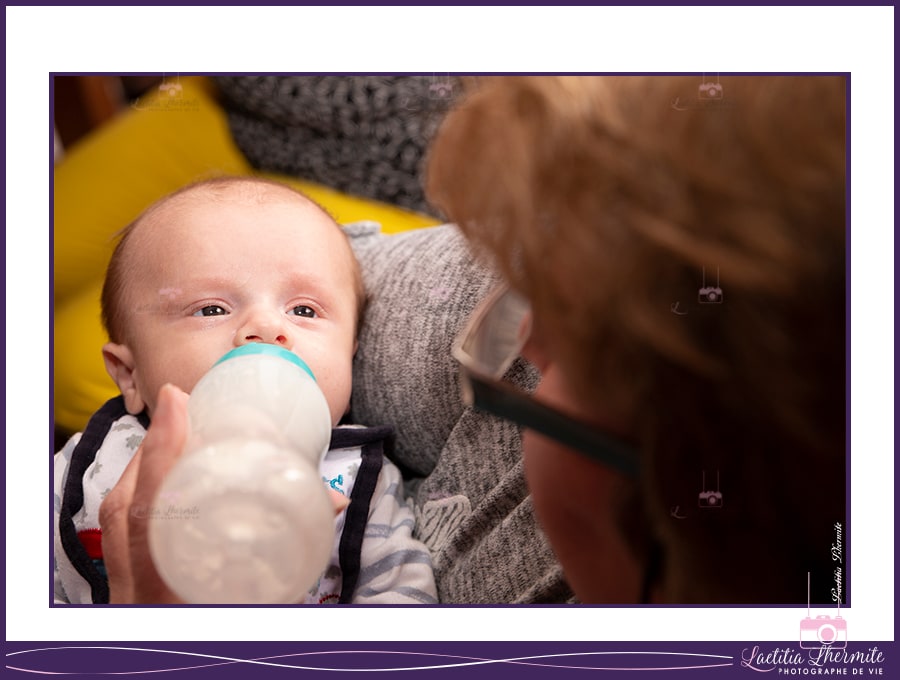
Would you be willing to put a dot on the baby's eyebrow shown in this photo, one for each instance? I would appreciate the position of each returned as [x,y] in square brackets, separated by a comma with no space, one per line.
[311,283]
[203,283]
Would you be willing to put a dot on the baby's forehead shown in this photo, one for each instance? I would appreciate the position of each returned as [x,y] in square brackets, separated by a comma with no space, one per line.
[250,193]
[174,211]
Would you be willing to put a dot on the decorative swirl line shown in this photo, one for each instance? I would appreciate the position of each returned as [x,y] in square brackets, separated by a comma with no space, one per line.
[466,660]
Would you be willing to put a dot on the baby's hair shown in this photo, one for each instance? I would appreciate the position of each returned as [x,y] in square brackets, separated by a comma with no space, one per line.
[256,190]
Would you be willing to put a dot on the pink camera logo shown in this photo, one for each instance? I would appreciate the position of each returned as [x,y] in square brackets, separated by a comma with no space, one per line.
[822,631]
[441,88]
[710,295]
[171,89]
[707,498]
[709,90]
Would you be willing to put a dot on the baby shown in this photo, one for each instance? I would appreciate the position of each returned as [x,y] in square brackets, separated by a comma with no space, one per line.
[214,266]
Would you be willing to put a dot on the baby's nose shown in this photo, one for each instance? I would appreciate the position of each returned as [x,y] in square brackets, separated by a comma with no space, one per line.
[264,327]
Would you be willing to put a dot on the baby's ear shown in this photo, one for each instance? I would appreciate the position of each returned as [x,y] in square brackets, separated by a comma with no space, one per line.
[120,366]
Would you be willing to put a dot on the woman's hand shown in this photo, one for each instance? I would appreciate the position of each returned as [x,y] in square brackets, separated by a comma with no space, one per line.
[127,509]
[125,512]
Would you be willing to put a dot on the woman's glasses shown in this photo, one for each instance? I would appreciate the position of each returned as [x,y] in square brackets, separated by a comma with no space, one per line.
[487,347]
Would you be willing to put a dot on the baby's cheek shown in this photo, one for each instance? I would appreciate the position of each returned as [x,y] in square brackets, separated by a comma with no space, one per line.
[337,393]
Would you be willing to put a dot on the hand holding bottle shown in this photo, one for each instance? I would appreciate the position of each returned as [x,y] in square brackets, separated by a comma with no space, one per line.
[243,516]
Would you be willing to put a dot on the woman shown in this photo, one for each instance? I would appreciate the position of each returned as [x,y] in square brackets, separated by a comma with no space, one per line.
[681,244]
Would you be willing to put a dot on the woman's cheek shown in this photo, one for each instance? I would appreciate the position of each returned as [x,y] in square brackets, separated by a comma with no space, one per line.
[573,501]
[556,489]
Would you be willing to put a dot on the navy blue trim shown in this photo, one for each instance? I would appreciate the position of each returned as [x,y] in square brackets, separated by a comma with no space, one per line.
[374,441]
[73,495]
[351,437]
[374,447]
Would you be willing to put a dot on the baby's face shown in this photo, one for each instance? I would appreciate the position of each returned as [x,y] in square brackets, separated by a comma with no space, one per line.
[206,276]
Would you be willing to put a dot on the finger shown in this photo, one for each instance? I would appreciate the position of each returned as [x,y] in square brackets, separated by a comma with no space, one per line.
[338,500]
[113,516]
[163,443]
[161,448]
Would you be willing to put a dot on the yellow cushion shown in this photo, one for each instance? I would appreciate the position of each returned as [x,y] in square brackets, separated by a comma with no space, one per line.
[81,384]
[106,180]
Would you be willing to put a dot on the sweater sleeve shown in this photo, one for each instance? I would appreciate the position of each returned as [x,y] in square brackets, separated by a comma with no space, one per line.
[395,568]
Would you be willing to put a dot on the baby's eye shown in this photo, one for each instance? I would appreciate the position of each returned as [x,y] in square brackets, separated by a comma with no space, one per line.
[210,310]
[303,310]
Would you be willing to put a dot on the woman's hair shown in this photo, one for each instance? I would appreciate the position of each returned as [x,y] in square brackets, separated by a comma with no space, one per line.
[251,189]
[685,256]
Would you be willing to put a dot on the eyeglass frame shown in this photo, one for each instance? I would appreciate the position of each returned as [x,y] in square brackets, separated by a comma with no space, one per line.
[488,392]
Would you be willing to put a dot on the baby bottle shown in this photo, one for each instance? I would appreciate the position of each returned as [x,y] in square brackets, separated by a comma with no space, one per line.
[243,516]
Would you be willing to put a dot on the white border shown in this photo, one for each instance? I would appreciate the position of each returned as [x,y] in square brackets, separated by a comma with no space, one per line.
[179,39]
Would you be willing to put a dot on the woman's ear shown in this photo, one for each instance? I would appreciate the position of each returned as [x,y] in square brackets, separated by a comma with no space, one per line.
[120,366]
